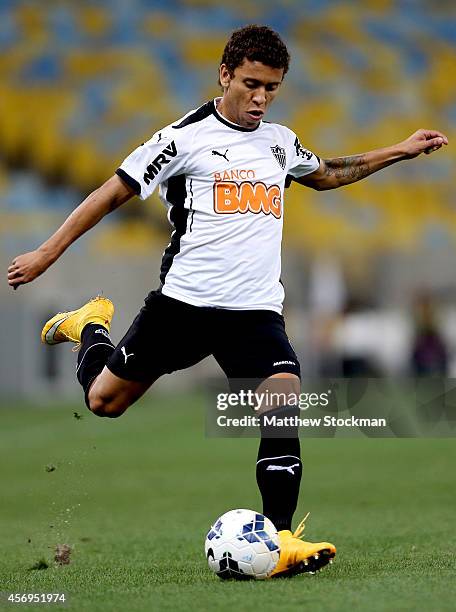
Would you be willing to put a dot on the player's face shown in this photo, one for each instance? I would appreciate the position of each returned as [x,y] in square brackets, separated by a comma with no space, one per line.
[248,93]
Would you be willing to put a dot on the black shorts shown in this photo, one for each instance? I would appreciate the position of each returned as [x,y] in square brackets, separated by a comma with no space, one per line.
[169,335]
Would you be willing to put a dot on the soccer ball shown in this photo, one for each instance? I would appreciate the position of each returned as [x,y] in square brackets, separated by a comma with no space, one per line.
[242,544]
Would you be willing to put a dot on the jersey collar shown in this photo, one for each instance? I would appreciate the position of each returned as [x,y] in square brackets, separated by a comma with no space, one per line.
[230,124]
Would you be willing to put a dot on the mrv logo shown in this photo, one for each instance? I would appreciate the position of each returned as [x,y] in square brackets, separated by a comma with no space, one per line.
[164,158]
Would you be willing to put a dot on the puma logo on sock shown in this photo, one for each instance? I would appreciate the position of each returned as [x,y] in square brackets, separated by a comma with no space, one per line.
[103,332]
[288,468]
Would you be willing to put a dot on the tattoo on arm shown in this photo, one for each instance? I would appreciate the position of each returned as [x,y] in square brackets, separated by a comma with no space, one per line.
[347,169]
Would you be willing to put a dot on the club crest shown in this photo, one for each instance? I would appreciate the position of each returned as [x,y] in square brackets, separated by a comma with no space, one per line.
[280,155]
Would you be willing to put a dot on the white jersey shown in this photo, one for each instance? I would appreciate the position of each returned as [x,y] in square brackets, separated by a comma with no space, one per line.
[224,187]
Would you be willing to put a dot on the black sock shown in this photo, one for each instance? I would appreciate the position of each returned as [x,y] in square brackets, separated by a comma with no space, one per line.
[279,468]
[96,348]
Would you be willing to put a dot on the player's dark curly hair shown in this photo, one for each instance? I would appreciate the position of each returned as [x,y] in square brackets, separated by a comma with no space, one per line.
[255,43]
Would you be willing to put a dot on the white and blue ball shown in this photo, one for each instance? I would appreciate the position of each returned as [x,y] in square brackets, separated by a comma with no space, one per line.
[242,544]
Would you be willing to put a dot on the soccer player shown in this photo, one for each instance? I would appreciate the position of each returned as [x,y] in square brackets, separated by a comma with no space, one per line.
[221,171]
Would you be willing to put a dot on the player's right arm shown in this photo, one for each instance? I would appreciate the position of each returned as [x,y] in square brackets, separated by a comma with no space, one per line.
[150,164]
[112,194]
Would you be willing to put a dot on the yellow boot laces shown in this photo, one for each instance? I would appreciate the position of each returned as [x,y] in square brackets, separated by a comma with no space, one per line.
[77,346]
[298,532]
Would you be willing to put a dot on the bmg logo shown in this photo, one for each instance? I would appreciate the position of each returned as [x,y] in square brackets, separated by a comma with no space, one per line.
[231,197]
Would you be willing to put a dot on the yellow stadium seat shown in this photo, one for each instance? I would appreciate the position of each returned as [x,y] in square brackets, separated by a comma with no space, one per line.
[94,20]
[204,50]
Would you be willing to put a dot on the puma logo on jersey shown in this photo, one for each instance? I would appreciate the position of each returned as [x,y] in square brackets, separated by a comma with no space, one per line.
[156,165]
[124,353]
[230,198]
[276,468]
[221,154]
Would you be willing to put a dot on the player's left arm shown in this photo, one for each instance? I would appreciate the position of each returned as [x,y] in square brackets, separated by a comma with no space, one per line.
[339,171]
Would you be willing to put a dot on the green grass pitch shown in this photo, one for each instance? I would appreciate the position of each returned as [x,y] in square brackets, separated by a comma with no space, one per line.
[134,497]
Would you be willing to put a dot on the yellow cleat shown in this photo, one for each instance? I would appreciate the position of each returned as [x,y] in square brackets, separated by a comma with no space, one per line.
[68,326]
[298,556]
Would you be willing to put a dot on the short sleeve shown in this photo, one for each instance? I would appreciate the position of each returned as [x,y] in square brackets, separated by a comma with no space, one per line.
[152,163]
[303,161]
